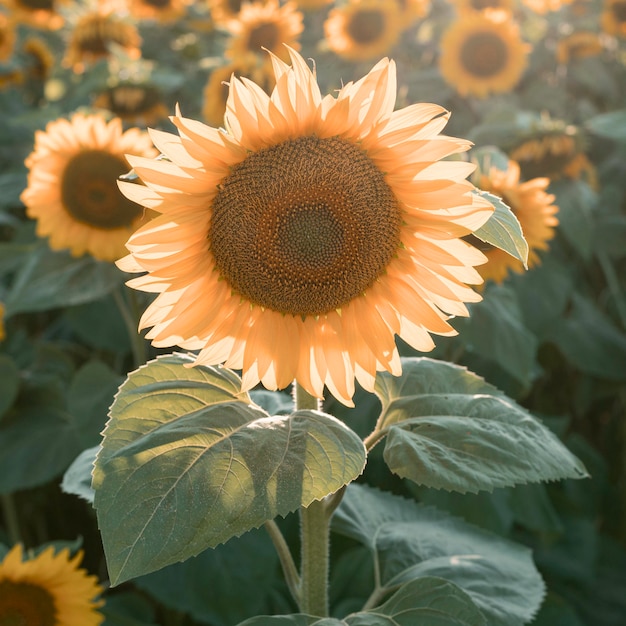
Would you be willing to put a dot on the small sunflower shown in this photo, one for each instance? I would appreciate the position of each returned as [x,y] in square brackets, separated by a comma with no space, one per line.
[579,45]
[164,11]
[72,185]
[7,37]
[264,26]
[94,34]
[48,589]
[42,14]
[137,104]
[363,29]
[534,209]
[483,53]
[613,17]
[299,242]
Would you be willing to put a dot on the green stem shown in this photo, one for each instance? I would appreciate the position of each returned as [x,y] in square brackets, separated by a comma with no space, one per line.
[315,539]
[131,321]
[9,511]
[286,560]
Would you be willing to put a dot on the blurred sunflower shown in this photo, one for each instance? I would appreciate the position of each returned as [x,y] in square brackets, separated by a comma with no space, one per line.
[7,37]
[93,36]
[47,589]
[613,17]
[40,57]
[483,53]
[299,242]
[481,5]
[223,11]
[164,11]
[579,45]
[363,29]
[534,209]
[137,104]
[263,26]
[545,6]
[43,14]
[72,185]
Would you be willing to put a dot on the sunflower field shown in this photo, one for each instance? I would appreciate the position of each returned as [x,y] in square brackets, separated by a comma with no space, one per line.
[312,312]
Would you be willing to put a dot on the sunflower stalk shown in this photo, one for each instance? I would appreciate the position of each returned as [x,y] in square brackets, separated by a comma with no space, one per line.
[287,563]
[315,538]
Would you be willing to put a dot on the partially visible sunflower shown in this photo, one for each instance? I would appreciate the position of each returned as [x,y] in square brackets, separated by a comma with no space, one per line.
[545,6]
[483,53]
[72,185]
[363,29]
[534,209]
[49,588]
[40,57]
[139,104]
[222,11]
[299,242]
[164,11]
[613,17]
[7,37]
[261,27]
[93,36]
[42,14]
[578,45]
[480,5]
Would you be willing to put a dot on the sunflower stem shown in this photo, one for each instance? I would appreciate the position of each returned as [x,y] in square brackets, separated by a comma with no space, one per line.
[9,512]
[131,321]
[286,559]
[315,539]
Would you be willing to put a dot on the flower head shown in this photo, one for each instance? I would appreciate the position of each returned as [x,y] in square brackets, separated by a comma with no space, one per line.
[72,185]
[48,589]
[299,242]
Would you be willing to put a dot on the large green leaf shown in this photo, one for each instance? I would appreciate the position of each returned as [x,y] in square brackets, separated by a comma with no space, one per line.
[611,125]
[187,463]
[47,280]
[410,541]
[503,229]
[446,428]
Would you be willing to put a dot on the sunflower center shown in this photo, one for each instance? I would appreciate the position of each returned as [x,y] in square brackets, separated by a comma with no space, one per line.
[304,226]
[484,54]
[23,604]
[366,26]
[90,194]
[263,36]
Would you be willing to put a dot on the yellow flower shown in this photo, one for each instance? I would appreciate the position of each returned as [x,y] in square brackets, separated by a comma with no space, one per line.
[223,11]
[481,5]
[483,53]
[263,26]
[72,185]
[48,589]
[578,45]
[92,38]
[296,244]
[134,103]
[7,37]
[41,60]
[43,14]
[534,209]
[363,29]
[613,17]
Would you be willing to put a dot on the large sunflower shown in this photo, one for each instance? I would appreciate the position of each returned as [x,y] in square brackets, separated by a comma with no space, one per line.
[363,29]
[299,242]
[534,209]
[48,589]
[483,53]
[72,190]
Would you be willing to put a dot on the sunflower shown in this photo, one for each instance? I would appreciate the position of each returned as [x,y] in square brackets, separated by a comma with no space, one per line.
[613,17]
[7,37]
[222,11]
[41,59]
[92,38]
[163,11]
[72,190]
[43,14]
[264,26]
[464,6]
[49,588]
[578,45]
[138,104]
[483,53]
[534,209]
[363,29]
[297,243]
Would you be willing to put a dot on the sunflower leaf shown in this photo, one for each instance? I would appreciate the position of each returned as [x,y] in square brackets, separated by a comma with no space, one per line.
[188,462]
[448,429]
[503,229]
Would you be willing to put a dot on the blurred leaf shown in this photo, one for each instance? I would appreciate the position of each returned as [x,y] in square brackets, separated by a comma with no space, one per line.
[77,478]
[576,201]
[209,587]
[298,619]
[128,609]
[13,255]
[592,73]
[274,402]
[534,510]
[590,340]
[556,612]
[48,280]
[611,125]
[503,229]
[442,433]
[410,541]
[9,383]
[12,183]
[610,234]
[183,438]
